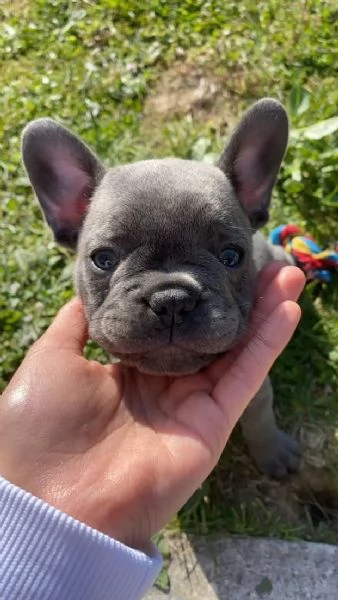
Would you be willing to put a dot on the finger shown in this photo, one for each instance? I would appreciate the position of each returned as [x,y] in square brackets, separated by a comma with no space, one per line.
[266,275]
[246,375]
[286,284]
[69,328]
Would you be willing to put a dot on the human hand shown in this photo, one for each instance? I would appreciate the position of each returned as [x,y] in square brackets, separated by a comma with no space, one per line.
[120,450]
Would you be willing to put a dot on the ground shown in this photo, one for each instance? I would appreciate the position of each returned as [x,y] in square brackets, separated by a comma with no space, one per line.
[171,79]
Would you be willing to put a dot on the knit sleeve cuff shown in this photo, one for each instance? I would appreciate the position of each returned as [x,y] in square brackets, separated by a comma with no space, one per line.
[45,554]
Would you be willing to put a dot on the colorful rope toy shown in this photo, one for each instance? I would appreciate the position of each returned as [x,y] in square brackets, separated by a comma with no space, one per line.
[316,263]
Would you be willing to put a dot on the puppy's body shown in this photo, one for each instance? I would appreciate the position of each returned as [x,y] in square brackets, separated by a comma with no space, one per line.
[167,258]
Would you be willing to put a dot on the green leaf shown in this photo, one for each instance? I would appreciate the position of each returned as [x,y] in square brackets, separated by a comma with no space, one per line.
[332,199]
[200,148]
[211,158]
[162,545]
[299,100]
[163,581]
[67,272]
[318,130]
[12,204]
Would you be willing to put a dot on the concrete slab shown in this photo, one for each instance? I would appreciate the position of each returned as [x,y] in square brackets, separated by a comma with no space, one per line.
[250,569]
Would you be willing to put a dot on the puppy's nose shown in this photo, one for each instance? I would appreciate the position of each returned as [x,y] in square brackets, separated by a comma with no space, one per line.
[172,304]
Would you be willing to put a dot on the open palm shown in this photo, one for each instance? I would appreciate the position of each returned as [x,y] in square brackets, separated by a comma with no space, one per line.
[120,450]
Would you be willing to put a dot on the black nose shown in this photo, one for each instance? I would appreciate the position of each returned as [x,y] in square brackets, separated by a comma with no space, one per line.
[172,304]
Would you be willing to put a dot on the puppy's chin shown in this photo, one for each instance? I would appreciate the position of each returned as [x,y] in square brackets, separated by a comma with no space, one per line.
[167,363]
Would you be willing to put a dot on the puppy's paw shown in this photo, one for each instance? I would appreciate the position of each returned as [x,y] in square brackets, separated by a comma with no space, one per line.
[279,457]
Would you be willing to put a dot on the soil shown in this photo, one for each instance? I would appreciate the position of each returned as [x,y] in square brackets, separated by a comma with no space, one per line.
[187,88]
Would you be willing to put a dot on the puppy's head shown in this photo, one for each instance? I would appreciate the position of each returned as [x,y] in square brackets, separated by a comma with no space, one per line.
[164,263]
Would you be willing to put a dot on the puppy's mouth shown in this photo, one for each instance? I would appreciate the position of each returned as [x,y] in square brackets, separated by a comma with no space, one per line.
[171,351]
[173,361]
[163,350]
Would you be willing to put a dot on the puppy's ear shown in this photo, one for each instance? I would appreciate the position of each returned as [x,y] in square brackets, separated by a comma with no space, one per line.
[252,159]
[63,173]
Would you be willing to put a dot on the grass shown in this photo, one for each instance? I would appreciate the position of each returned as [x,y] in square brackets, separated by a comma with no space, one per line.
[171,78]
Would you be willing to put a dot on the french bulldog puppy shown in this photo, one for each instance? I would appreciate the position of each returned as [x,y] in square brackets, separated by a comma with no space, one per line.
[168,251]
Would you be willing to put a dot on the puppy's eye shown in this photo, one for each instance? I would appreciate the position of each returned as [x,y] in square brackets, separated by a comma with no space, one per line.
[104,259]
[232,257]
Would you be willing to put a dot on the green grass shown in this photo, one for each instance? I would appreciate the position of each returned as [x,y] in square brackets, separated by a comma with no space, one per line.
[104,69]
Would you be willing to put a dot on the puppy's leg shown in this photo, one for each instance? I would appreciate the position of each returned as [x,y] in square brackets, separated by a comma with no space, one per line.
[274,452]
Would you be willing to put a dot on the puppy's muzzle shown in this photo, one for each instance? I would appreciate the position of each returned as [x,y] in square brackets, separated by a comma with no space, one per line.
[172,304]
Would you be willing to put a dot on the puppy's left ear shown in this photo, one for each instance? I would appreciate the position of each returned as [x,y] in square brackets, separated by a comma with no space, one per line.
[253,157]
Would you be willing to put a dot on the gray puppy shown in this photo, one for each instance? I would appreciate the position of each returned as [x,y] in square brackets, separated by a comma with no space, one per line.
[167,251]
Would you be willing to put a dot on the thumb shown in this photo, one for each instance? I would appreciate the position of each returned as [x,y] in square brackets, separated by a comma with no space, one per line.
[69,328]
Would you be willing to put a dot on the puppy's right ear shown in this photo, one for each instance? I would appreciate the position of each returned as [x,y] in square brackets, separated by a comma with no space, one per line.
[63,173]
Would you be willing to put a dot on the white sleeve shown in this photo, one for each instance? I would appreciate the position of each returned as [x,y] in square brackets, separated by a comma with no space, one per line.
[47,555]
